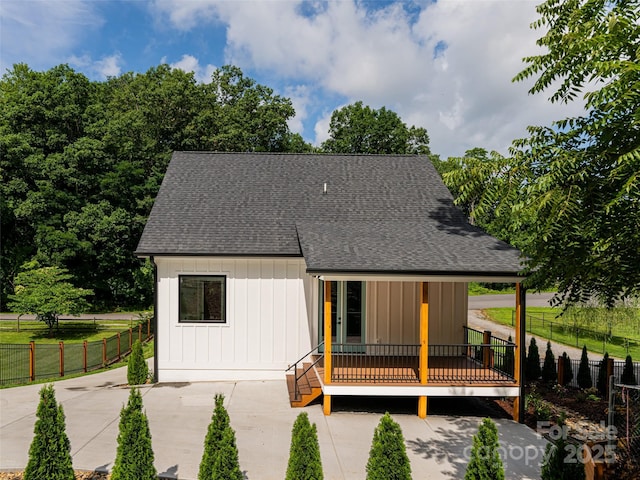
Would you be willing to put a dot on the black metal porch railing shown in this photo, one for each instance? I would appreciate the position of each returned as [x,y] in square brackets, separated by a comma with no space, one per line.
[374,363]
[452,363]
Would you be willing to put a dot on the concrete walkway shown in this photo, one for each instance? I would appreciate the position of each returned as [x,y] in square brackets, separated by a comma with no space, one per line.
[179,414]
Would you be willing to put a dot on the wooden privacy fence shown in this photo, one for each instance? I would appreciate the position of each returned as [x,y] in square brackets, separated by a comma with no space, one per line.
[23,363]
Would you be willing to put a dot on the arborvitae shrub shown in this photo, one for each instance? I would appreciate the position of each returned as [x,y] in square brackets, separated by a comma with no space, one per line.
[549,373]
[304,455]
[50,451]
[388,457]
[555,464]
[568,369]
[226,465]
[532,368]
[213,441]
[584,372]
[134,455]
[628,376]
[485,462]
[137,368]
[603,378]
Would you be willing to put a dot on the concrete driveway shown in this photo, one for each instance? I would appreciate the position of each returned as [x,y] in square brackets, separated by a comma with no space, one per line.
[260,414]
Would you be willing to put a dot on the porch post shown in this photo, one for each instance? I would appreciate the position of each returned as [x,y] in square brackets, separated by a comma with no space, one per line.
[424,345]
[326,406]
[519,354]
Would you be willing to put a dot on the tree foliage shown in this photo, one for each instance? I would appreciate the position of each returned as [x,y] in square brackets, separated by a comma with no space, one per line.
[358,128]
[549,373]
[50,451]
[584,371]
[134,454]
[628,376]
[532,367]
[137,368]
[388,456]
[304,455]
[81,162]
[573,187]
[567,369]
[485,462]
[219,423]
[557,463]
[46,293]
[603,379]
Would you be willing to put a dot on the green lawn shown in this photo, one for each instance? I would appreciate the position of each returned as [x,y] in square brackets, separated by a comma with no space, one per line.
[69,331]
[544,322]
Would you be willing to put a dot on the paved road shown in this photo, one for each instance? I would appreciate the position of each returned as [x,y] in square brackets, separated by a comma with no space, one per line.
[479,302]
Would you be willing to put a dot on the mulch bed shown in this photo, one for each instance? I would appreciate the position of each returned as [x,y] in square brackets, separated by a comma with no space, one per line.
[80,475]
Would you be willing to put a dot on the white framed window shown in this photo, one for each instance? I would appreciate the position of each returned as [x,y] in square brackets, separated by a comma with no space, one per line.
[202,299]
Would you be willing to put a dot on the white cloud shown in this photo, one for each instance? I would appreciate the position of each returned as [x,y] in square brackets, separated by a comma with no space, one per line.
[105,67]
[300,98]
[42,32]
[189,63]
[447,67]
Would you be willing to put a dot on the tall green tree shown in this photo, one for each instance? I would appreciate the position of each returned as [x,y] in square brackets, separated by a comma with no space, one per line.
[573,187]
[213,440]
[46,293]
[584,371]
[50,451]
[358,128]
[81,162]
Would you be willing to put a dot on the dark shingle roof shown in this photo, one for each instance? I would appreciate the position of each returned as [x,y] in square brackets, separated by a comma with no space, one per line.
[380,214]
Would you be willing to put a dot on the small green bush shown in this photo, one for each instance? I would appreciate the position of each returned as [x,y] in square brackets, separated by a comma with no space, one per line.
[554,463]
[134,455]
[532,367]
[226,465]
[603,378]
[584,372]
[388,456]
[137,368]
[509,359]
[304,455]
[485,462]
[50,451]
[549,373]
[628,377]
[568,369]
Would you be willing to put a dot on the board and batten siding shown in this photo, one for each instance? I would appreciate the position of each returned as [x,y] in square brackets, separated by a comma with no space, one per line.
[393,312]
[269,314]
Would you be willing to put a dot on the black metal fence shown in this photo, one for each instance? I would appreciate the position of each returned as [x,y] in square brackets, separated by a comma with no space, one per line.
[24,363]
[594,370]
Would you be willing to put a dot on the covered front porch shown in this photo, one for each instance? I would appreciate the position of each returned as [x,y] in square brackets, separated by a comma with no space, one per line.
[476,364]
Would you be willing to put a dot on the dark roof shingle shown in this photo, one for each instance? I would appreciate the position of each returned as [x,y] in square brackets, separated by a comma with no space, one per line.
[380,213]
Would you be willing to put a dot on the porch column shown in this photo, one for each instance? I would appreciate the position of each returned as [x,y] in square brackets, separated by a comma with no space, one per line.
[424,346]
[326,406]
[519,354]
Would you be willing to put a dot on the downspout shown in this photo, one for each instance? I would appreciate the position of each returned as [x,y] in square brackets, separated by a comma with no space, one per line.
[155,319]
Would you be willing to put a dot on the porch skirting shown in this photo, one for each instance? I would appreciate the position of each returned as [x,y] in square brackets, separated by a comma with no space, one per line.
[421,390]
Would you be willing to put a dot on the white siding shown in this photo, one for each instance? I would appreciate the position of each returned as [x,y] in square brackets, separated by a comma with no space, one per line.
[269,305]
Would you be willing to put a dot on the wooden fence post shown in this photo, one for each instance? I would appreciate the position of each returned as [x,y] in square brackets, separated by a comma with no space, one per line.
[560,370]
[148,327]
[104,352]
[130,338]
[32,361]
[61,344]
[84,356]
[610,364]
[140,332]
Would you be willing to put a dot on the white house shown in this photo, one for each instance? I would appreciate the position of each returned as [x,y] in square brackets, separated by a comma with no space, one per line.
[260,256]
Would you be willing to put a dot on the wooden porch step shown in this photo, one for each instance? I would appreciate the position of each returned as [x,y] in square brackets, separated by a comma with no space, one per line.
[309,388]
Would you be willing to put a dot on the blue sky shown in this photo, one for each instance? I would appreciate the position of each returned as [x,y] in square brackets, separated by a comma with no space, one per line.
[446,65]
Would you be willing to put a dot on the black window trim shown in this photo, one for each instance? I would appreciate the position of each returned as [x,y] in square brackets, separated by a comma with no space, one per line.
[225,320]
